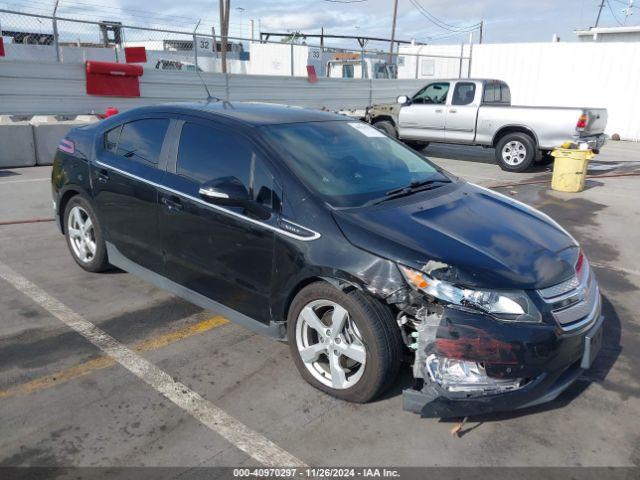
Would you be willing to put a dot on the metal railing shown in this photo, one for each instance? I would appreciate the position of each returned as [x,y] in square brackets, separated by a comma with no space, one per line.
[38,37]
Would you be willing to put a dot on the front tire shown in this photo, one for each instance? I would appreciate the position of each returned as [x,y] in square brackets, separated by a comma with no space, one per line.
[84,235]
[417,144]
[385,126]
[344,343]
[515,152]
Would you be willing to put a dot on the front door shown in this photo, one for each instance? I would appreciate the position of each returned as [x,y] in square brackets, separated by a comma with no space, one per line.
[460,125]
[223,253]
[123,179]
[424,117]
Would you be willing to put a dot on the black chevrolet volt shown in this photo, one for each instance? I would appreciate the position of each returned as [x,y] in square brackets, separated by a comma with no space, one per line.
[322,231]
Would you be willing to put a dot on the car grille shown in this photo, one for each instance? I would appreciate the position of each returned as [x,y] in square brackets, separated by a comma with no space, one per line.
[575,303]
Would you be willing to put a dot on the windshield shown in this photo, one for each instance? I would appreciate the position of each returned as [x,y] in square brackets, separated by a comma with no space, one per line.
[348,163]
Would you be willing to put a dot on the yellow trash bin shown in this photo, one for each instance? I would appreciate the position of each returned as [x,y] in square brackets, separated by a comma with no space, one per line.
[570,169]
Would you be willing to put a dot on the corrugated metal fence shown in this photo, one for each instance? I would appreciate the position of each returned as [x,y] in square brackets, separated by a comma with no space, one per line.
[28,88]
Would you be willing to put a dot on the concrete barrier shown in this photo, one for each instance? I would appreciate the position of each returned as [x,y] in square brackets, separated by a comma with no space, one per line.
[48,131]
[17,147]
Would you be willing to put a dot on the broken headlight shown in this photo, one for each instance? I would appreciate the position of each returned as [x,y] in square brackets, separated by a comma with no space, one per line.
[457,375]
[507,306]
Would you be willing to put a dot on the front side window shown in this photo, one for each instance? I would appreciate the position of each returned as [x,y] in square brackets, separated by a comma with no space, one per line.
[464,93]
[205,154]
[348,71]
[347,163]
[141,140]
[434,93]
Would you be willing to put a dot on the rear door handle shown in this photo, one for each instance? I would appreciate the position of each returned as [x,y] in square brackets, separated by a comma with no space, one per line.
[103,175]
[452,110]
[438,110]
[173,203]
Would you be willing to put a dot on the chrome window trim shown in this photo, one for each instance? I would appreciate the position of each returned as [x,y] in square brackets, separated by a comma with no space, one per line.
[315,235]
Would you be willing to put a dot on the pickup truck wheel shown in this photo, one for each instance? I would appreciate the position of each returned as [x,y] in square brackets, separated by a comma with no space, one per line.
[387,127]
[346,344]
[515,152]
[84,235]
[417,144]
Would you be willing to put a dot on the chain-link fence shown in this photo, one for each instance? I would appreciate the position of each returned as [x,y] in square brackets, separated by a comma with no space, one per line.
[36,37]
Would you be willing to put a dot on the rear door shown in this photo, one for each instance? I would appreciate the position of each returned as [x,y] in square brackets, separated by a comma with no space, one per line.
[460,123]
[129,165]
[223,253]
[424,117]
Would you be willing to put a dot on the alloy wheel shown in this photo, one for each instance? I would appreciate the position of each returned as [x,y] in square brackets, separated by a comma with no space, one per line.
[330,344]
[81,234]
[514,153]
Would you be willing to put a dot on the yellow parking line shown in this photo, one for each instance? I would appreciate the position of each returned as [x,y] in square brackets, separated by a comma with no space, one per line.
[101,362]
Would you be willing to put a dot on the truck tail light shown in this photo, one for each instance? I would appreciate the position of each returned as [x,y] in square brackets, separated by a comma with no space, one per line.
[582,122]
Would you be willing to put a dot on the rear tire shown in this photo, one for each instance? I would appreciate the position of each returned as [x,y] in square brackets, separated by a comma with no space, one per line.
[515,152]
[368,330]
[84,235]
[385,126]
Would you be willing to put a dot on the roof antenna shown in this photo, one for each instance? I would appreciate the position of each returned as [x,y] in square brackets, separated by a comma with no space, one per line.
[210,98]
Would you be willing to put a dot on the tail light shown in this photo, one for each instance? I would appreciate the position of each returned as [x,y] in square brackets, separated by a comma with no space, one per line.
[582,122]
[67,146]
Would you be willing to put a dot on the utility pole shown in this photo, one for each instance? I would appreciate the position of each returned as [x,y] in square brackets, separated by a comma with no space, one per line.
[224,31]
[599,12]
[393,30]
[481,30]
[253,34]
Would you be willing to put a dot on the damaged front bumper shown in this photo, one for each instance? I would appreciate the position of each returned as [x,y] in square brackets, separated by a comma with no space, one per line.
[547,363]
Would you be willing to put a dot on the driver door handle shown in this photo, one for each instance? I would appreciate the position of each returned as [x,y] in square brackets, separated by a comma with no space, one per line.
[173,203]
[103,175]
[452,110]
[438,110]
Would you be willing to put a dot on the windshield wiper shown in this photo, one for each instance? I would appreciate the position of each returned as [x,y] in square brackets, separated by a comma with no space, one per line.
[413,187]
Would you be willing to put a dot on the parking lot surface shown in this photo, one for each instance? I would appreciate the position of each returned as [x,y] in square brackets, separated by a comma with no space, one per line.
[106,370]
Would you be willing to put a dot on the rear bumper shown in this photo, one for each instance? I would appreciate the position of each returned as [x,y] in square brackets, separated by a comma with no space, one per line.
[595,142]
[433,401]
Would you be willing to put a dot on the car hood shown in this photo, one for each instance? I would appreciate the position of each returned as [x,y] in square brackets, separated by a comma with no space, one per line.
[493,240]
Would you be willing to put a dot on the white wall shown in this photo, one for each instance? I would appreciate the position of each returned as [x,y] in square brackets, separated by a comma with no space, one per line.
[569,74]
[274,59]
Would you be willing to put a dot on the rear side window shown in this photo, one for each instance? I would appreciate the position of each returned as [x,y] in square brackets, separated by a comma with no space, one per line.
[111,139]
[464,93]
[496,92]
[141,140]
[205,153]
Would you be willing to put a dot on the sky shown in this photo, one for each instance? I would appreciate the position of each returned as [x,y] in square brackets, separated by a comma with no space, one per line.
[504,21]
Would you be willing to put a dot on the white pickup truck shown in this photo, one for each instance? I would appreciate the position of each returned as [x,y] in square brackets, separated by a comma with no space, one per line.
[479,112]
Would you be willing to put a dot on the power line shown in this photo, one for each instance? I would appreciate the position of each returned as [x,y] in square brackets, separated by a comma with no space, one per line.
[440,23]
[613,14]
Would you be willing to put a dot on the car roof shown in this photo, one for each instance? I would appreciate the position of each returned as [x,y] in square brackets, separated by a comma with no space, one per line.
[249,113]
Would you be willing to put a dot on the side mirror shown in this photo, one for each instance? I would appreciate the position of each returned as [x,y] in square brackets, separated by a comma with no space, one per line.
[402,99]
[227,191]
[231,192]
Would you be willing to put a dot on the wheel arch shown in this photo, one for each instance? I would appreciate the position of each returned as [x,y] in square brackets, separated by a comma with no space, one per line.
[507,129]
[337,282]
[68,193]
[384,118]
